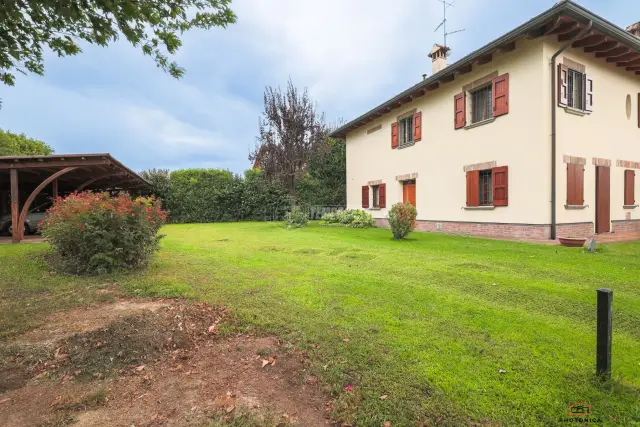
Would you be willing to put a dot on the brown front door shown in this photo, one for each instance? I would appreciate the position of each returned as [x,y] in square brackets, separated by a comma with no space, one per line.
[409,193]
[603,199]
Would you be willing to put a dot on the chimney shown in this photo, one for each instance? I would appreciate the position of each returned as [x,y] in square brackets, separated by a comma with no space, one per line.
[634,29]
[438,57]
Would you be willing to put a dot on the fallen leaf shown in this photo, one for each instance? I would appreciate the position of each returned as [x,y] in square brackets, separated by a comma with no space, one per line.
[348,388]
[140,368]
[502,371]
[264,362]
[312,380]
[387,424]
[383,397]
[212,329]
[5,400]
[230,409]
[56,401]
[345,340]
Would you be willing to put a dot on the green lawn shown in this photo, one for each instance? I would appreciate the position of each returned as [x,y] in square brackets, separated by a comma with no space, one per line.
[453,330]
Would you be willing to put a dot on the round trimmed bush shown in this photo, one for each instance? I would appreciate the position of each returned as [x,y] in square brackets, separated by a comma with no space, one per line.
[94,233]
[402,219]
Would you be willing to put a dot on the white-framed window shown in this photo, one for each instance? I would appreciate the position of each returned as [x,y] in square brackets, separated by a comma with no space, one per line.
[575,89]
[481,104]
[405,131]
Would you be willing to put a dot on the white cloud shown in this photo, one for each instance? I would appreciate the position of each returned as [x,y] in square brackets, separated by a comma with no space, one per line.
[345,50]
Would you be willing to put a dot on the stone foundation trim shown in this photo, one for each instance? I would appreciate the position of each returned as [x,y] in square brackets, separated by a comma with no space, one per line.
[573,160]
[376,182]
[407,177]
[506,230]
[601,162]
[628,164]
[480,166]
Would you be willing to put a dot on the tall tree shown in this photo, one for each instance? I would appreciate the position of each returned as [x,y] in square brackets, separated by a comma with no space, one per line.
[325,183]
[291,131]
[14,144]
[28,26]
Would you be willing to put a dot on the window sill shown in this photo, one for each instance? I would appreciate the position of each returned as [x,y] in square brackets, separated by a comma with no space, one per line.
[375,208]
[483,122]
[479,208]
[629,206]
[575,207]
[576,112]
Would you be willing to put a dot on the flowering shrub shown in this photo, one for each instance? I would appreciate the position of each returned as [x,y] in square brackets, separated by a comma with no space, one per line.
[402,219]
[94,233]
[297,218]
[354,218]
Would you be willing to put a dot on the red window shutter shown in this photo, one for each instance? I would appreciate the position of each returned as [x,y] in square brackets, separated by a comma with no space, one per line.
[500,181]
[365,196]
[473,188]
[629,187]
[575,184]
[500,93]
[588,94]
[394,135]
[563,96]
[417,126]
[460,110]
[383,195]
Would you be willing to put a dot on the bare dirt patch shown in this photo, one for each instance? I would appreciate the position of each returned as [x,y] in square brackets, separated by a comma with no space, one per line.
[170,363]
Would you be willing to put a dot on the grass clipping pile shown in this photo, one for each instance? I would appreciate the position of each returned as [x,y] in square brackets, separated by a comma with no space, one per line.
[177,364]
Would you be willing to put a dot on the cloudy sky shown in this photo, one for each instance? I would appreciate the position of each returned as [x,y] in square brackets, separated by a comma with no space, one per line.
[351,54]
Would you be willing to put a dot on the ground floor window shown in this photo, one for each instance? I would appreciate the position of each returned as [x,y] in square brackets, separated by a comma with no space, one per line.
[376,195]
[486,187]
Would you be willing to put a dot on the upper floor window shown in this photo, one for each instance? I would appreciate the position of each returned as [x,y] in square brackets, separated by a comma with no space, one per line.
[482,101]
[481,104]
[575,81]
[406,131]
[575,87]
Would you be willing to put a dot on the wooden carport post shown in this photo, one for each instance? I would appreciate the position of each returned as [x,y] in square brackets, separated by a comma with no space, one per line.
[15,207]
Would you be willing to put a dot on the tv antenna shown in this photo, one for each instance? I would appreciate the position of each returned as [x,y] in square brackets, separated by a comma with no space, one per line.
[445,5]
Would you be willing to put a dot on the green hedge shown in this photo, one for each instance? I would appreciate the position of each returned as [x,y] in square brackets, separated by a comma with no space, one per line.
[212,195]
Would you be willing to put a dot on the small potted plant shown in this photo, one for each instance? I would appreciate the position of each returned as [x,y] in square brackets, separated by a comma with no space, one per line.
[572,241]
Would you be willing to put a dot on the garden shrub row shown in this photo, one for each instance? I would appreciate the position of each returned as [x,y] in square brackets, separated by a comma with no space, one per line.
[354,218]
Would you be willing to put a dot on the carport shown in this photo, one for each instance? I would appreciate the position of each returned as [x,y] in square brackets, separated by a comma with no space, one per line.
[23,178]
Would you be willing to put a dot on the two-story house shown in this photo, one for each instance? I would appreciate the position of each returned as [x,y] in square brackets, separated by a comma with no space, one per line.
[535,135]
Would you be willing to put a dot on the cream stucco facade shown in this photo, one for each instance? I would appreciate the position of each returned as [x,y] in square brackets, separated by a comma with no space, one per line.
[520,140]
